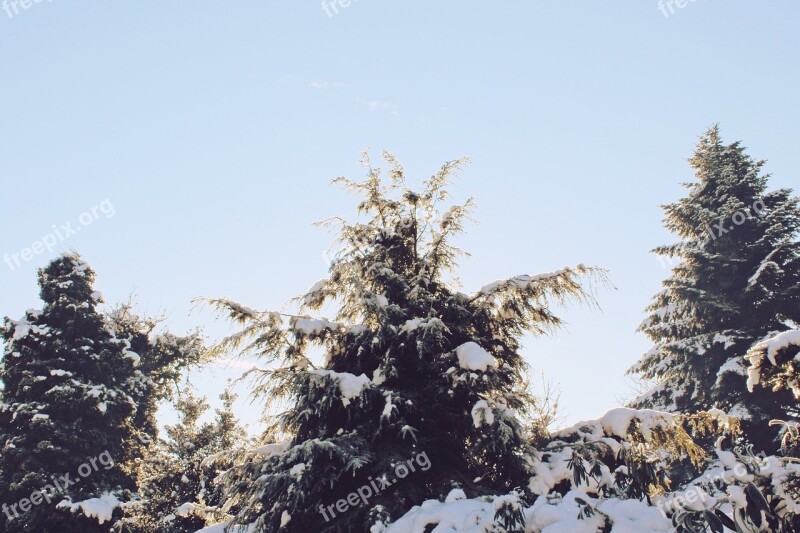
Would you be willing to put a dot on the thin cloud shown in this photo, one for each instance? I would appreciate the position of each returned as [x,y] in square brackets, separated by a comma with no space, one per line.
[375,105]
[379,105]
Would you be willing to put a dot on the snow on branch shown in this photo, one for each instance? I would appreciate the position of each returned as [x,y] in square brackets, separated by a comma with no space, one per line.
[101,508]
[522,302]
[781,351]
[350,386]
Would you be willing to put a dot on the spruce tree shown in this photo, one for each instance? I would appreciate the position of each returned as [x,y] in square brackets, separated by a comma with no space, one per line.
[72,370]
[737,280]
[64,406]
[420,388]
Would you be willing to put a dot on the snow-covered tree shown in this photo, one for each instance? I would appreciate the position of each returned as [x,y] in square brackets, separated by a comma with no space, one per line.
[420,388]
[738,279]
[177,482]
[78,386]
[64,408]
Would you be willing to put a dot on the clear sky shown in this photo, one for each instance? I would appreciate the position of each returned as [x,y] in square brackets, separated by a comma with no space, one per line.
[205,134]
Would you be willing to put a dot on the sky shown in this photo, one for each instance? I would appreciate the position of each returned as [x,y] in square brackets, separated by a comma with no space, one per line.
[185,150]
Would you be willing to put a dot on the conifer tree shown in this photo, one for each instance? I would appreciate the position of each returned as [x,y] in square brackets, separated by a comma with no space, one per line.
[177,490]
[170,477]
[228,431]
[737,281]
[419,391]
[80,385]
[64,405]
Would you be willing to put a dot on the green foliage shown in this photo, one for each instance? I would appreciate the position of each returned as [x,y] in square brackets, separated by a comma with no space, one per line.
[737,279]
[64,400]
[78,384]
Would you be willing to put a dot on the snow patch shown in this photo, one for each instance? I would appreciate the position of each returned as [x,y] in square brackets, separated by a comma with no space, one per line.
[22,328]
[455,495]
[524,281]
[101,508]
[185,510]
[477,515]
[411,325]
[472,357]
[297,470]
[269,450]
[781,341]
[313,326]
[350,386]
[482,414]
[734,365]
[133,356]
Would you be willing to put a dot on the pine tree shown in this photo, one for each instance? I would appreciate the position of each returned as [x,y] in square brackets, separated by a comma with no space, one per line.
[738,280]
[418,380]
[64,406]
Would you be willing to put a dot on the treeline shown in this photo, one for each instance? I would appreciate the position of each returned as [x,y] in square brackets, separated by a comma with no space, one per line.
[418,414]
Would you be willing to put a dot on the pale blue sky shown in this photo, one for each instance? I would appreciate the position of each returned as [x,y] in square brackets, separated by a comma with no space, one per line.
[213,129]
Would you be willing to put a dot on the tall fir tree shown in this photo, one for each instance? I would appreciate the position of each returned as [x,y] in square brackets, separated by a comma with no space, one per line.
[77,384]
[64,403]
[420,388]
[737,280]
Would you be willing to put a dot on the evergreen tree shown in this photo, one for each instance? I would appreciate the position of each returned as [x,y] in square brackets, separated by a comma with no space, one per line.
[178,491]
[420,390]
[737,281]
[170,477]
[88,384]
[64,405]
[228,431]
